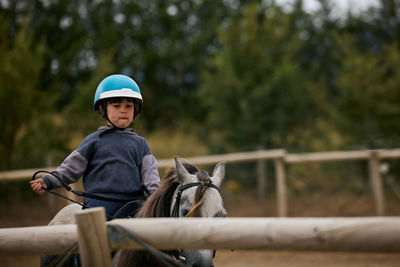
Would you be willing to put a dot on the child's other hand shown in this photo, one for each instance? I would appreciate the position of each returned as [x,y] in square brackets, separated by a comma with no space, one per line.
[37,186]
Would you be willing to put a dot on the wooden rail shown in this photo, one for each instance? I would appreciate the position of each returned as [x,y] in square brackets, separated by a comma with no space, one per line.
[366,234]
[231,157]
[281,159]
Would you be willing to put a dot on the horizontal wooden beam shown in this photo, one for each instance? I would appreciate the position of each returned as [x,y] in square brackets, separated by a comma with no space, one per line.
[21,174]
[320,234]
[327,156]
[50,239]
[389,153]
[365,234]
[230,157]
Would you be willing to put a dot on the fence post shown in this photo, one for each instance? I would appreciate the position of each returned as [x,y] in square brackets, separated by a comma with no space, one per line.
[281,186]
[261,179]
[376,183]
[94,247]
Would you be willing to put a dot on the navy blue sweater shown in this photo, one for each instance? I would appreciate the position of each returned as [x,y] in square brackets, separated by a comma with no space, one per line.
[114,163]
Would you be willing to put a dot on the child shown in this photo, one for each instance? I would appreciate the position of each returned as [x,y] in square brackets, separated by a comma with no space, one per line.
[114,161]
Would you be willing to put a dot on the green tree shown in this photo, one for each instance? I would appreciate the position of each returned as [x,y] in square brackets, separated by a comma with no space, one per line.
[20,97]
[255,89]
[370,96]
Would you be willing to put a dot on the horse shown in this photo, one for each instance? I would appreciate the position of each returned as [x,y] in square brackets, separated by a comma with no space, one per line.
[184,191]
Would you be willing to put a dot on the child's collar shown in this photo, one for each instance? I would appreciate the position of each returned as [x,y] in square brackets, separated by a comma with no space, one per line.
[109,128]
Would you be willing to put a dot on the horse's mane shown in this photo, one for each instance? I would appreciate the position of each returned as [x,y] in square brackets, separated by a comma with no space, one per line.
[159,203]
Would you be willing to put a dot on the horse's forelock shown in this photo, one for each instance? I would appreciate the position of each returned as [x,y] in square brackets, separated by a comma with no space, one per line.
[199,195]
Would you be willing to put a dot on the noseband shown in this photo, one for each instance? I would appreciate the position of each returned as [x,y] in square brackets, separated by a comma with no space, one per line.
[206,183]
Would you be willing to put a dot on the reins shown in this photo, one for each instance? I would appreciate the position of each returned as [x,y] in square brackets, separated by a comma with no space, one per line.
[66,186]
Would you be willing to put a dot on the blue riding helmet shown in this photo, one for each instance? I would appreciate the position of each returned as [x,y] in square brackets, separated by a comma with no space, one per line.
[117,85]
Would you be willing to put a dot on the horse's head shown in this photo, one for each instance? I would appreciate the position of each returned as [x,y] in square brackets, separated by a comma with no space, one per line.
[198,195]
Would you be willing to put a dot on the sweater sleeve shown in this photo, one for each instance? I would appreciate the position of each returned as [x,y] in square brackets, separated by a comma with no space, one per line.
[69,171]
[149,173]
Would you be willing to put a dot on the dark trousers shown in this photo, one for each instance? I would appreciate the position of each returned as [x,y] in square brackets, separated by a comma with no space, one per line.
[110,206]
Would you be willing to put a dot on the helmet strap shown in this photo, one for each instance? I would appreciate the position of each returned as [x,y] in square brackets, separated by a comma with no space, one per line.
[115,126]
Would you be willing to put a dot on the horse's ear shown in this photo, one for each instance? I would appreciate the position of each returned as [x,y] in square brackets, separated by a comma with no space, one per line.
[218,173]
[183,175]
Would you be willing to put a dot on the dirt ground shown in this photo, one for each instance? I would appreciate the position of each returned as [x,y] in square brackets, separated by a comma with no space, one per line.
[35,212]
[226,258]
[303,259]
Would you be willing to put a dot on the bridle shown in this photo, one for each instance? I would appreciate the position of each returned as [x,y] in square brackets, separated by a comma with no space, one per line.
[207,183]
[177,254]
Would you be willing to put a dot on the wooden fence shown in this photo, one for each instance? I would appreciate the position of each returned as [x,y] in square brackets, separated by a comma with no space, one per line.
[281,159]
[96,237]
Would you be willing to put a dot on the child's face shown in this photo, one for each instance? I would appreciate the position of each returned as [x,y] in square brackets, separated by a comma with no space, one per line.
[121,113]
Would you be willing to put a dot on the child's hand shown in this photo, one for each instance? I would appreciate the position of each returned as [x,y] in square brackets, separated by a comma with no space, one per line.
[37,186]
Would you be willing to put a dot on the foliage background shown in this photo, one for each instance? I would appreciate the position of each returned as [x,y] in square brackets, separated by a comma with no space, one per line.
[216,76]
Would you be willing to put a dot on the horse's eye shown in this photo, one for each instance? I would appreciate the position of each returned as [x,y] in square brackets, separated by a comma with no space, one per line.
[184,211]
